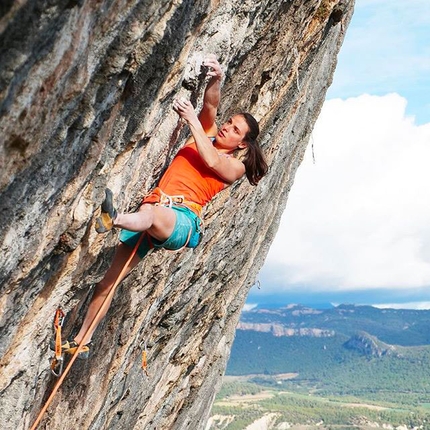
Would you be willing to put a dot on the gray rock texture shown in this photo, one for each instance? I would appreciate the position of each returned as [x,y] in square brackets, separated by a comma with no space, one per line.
[86,89]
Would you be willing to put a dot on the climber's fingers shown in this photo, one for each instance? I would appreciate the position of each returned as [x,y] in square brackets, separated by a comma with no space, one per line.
[184,109]
[214,68]
[181,104]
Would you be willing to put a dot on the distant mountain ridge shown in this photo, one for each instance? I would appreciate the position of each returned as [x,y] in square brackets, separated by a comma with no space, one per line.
[403,327]
[374,361]
[369,345]
[280,330]
[346,350]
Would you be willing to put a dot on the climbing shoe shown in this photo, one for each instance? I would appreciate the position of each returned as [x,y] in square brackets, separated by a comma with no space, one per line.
[104,222]
[70,346]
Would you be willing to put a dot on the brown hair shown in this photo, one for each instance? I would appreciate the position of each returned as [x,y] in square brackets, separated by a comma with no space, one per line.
[255,163]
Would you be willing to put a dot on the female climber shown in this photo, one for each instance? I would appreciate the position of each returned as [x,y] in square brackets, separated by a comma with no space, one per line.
[170,214]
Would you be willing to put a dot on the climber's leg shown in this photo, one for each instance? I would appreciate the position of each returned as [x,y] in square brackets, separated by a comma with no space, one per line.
[104,286]
[158,221]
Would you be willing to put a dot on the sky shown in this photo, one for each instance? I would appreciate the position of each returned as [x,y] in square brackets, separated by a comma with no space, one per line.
[357,224]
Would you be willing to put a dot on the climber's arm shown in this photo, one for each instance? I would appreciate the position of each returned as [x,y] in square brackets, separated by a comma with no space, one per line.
[228,168]
[212,96]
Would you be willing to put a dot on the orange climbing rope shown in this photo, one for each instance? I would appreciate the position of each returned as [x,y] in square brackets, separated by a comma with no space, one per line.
[85,337]
[145,359]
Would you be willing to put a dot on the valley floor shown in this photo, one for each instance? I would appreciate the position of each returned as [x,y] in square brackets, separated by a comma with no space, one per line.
[261,402]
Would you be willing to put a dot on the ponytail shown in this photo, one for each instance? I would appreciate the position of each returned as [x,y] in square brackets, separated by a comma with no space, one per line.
[255,163]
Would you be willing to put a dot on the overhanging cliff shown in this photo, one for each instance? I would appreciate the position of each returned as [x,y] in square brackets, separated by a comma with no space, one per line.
[86,89]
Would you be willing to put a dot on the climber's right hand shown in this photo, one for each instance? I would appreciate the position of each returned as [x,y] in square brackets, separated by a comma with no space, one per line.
[214,68]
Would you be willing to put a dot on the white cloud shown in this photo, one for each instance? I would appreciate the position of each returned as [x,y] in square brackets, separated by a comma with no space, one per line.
[249,307]
[358,217]
[410,305]
[386,49]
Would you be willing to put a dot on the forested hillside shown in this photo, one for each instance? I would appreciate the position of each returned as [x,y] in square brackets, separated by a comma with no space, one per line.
[329,366]
[394,326]
[368,349]
[350,367]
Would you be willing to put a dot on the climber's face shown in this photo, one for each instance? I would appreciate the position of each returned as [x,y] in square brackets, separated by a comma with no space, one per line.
[232,133]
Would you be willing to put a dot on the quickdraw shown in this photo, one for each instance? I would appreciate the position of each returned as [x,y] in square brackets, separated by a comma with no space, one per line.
[58,360]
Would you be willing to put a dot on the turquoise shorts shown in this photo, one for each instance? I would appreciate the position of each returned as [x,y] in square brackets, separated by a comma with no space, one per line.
[188,225]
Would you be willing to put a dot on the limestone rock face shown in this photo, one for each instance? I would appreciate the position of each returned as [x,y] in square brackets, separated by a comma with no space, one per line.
[86,89]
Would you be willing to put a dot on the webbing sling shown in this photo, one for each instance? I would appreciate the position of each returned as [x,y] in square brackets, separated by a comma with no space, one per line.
[57,362]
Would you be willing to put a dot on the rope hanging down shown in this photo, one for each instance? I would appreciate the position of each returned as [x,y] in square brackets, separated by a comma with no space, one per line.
[145,359]
[85,337]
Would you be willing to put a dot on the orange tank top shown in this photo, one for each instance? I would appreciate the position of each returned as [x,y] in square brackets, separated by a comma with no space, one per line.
[188,176]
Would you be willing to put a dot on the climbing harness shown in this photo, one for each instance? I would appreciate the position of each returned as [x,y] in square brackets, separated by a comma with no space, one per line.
[58,360]
[144,358]
[104,305]
[159,197]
